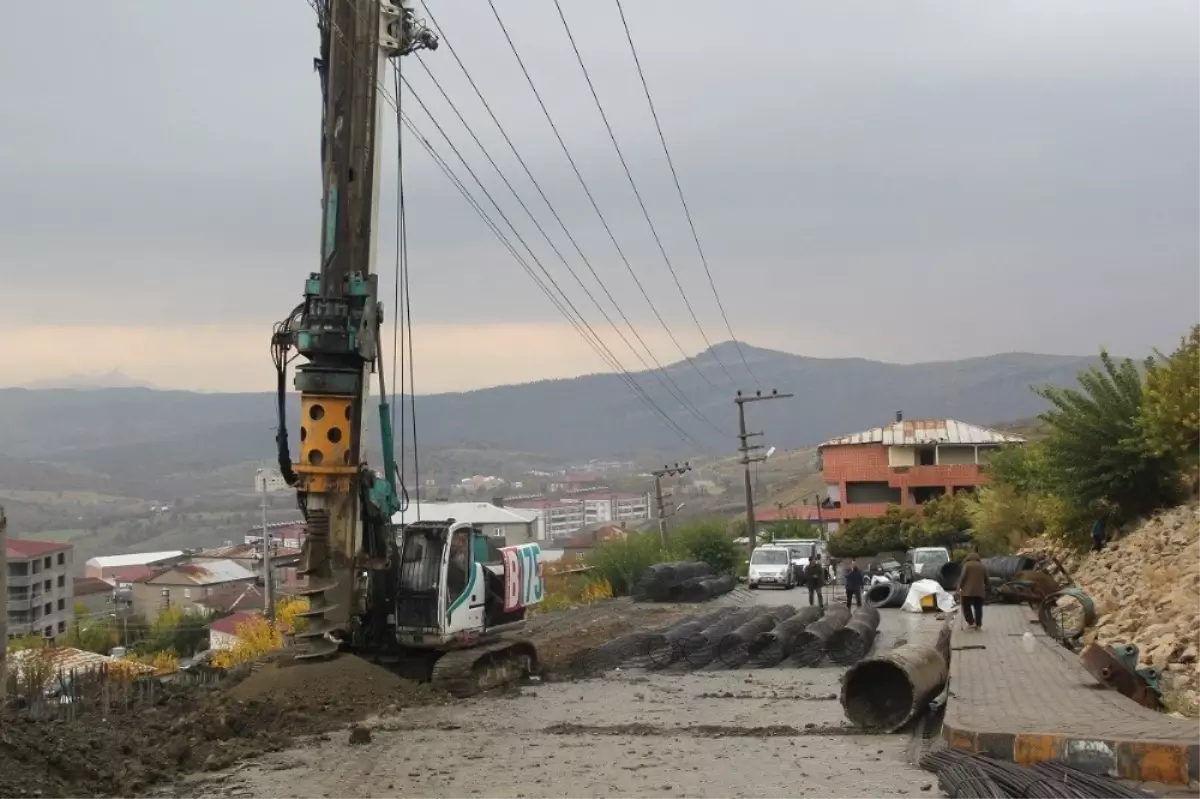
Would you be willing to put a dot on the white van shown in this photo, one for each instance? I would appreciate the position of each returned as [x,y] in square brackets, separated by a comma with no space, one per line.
[771,565]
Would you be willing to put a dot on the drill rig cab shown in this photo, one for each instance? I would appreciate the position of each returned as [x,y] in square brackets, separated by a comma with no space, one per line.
[445,606]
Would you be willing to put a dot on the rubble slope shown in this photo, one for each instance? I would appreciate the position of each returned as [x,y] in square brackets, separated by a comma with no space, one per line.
[1146,586]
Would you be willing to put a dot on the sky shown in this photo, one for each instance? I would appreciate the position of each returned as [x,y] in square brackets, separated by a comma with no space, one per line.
[894,181]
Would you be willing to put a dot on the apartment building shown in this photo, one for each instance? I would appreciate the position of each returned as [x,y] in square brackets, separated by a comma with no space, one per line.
[40,588]
[561,518]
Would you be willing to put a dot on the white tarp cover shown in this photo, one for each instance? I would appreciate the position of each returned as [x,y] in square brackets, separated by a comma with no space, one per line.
[923,588]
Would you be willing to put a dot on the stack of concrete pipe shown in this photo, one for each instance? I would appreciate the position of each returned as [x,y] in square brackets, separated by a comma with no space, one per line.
[700,648]
[808,648]
[851,643]
[733,650]
[775,645]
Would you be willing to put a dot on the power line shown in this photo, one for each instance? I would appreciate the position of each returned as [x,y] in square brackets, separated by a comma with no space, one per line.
[591,198]
[668,383]
[679,189]
[641,203]
[594,340]
[578,320]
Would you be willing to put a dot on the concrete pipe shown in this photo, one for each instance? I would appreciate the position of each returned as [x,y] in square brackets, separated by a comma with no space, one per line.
[851,643]
[733,650]
[888,595]
[808,648]
[885,692]
[774,646]
[700,649]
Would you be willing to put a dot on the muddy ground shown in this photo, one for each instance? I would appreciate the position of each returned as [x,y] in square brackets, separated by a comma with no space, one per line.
[111,748]
[770,732]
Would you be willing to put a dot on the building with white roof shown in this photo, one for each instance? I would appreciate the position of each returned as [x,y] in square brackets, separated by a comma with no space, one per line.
[513,525]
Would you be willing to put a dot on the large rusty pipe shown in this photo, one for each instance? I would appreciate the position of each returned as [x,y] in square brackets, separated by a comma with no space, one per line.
[851,643]
[774,646]
[885,692]
[733,650]
[808,648]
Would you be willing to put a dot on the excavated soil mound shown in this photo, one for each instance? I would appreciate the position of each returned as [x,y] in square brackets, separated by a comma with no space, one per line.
[188,729]
[346,688]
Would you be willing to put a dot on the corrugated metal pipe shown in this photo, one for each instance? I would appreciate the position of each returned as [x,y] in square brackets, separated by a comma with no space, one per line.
[663,650]
[774,646]
[887,595]
[734,648]
[851,643]
[808,648]
[700,648]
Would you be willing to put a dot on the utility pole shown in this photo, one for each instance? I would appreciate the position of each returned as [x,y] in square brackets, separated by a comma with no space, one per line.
[747,449]
[659,474]
[3,604]
[268,577]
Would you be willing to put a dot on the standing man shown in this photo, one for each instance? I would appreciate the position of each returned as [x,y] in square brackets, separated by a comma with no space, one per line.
[814,579]
[1099,532]
[854,584]
[972,588]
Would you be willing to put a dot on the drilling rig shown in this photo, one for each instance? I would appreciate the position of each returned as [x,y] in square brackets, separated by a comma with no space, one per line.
[437,595]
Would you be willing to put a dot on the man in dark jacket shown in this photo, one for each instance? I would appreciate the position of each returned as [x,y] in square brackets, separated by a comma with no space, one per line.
[972,588]
[854,584]
[814,578]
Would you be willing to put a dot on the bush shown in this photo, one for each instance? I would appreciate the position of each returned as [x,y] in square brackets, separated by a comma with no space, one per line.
[939,522]
[1097,455]
[1169,418]
[621,561]
[707,540]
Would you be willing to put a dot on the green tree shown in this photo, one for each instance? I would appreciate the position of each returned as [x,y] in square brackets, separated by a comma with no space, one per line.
[794,528]
[1095,451]
[707,540]
[1170,413]
[942,522]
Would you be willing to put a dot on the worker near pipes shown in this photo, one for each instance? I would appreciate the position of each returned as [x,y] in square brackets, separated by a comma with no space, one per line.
[972,588]
[814,579]
[854,584]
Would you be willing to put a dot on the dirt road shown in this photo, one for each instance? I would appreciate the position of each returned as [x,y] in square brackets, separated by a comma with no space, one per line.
[771,732]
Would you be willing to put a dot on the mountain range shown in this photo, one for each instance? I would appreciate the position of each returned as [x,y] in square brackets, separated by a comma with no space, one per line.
[145,431]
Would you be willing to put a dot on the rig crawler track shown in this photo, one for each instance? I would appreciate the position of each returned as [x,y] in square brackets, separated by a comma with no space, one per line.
[466,672]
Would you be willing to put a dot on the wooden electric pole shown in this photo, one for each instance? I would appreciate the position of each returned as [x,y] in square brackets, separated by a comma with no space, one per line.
[748,457]
[659,474]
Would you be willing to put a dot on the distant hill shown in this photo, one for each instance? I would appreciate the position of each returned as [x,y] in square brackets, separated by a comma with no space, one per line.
[140,431]
[111,379]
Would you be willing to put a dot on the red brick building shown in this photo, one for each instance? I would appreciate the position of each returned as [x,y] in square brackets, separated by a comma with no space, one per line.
[906,463]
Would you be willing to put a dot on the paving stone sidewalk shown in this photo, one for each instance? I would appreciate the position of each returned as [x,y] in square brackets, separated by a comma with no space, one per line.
[1042,705]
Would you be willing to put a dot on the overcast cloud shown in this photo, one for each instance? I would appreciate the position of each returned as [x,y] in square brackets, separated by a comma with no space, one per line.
[899,181]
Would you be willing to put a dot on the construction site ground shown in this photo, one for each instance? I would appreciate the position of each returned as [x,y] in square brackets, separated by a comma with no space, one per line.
[747,732]
[1039,703]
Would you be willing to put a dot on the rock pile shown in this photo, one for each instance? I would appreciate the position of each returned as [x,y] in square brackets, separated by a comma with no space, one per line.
[1146,586]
